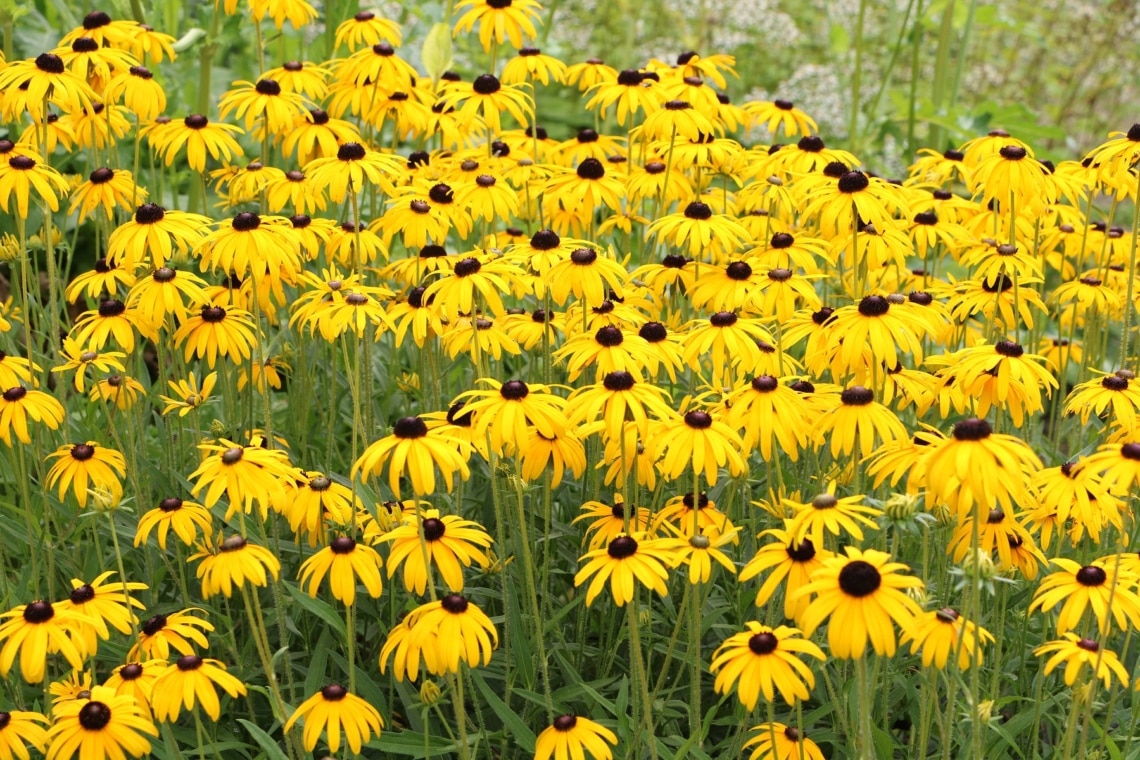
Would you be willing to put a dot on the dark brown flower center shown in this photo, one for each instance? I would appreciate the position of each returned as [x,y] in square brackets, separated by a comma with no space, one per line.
[565,723]
[149,213]
[409,428]
[622,547]
[698,419]
[972,429]
[723,319]
[591,169]
[698,211]
[189,662]
[1013,152]
[16,393]
[857,395]
[49,63]
[584,256]
[267,87]
[514,390]
[154,625]
[170,505]
[1091,576]
[213,314]
[804,551]
[763,643]
[454,603]
[859,578]
[486,84]
[853,182]
[334,692]
[94,716]
[82,452]
[38,612]
[130,671]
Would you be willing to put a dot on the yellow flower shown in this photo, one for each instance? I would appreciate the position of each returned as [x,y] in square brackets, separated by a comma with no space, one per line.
[333,709]
[574,736]
[345,562]
[763,660]
[189,683]
[190,394]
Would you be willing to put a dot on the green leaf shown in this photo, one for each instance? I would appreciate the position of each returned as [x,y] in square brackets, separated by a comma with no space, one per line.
[436,52]
[264,740]
[523,736]
[187,41]
[411,744]
[317,607]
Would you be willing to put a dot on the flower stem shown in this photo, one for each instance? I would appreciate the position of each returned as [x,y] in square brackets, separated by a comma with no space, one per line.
[642,706]
[532,593]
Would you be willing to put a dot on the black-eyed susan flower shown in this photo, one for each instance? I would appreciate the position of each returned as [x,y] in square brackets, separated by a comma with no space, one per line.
[574,736]
[346,563]
[699,443]
[875,324]
[449,543]
[1116,392]
[264,99]
[247,475]
[190,393]
[1012,177]
[34,83]
[334,709]
[726,342]
[505,411]
[185,518]
[625,562]
[180,631]
[84,467]
[318,135]
[24,179]
[775,741]
[136,679]
[608,521]
[1080,655]
[138,91]
[168,293]
[460,629]
[699,552]
[107,189]
[499,21]
[788,562]
[18,406]
[827,513]
[103,725]
[588,275]
[863,595]
[119,390]
[34,631]
[17,370]
[367,28]
[217,332]
[764,660]
[231,563]
[414,450]
[350,169]
[77,359]
[487,97]
[190,682]
[102,280]
[858,425]
[317,499]
[410,650]
[620,396]
[100,603]
[20,729]
[112,321]
[780,116]
[1103,587]
[940,634]
[700,232]
[154,235]
[200,137]
[769,413]
[977,466]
